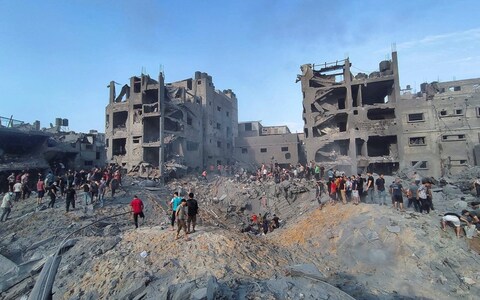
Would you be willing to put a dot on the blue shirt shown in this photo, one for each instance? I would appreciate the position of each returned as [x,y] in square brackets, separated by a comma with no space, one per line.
[175,202]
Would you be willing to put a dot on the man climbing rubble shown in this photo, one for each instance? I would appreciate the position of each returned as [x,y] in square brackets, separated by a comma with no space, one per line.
[453,219]
[7,205]
[137,209]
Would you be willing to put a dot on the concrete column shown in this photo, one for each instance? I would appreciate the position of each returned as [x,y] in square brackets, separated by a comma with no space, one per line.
[359,96]
[348,84]
[352,152]
[112,91]
[396,76]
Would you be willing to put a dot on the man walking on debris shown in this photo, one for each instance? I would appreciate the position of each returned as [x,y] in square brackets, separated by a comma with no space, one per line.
[192,213]
[412,196]
[71,197]
[422,197]
[174,203]
[181,217]
[6,206]
[137,209]
[52,193]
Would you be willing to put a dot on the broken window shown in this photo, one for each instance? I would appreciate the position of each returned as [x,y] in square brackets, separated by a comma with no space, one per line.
[420,164]
[457,88]
[284,149]
[228,131]
[453,137]
[151,130]
[381,114]
[106,143]
[359,144]
[355,112]
[342,126]
[418,117]
[219,144]
[248,126]
[199,82]
[443,113]
[189,121]
[88,147]
[417,141]
[382,146]
[137,83]
[244,150]
[218,126]
[478,111]
[459,112]
[118,146]
[192,146]
[228,114]
[341,103]
[458,162]
[107,120]
[151,155]
[219,108]
[120,119]
[263,150]
[136,139]
[97,155]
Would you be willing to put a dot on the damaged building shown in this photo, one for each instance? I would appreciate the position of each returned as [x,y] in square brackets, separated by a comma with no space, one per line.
[257,144]
[365,122]
[199,127]
[440,127]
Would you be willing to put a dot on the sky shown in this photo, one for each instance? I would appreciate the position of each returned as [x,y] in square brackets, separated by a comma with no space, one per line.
[57,57]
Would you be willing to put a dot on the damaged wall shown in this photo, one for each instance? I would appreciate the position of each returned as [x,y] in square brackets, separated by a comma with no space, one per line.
[199,122]
[345,116]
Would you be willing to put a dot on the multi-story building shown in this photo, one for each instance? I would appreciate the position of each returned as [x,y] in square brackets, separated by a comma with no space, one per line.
[441,127]
[200,123]
[257,144]
[363,122]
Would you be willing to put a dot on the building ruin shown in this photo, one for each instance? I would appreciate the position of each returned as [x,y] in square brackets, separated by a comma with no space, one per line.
[200,123]
[365,122]
[257,144]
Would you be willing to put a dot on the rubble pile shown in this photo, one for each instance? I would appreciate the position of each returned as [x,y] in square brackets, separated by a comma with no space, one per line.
[342,251]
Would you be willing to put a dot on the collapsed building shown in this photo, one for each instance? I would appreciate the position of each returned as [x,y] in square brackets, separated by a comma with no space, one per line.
[363,122]
[198,128]
[26,147]
[257,144]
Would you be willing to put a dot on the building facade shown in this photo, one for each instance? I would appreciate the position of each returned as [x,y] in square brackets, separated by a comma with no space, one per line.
[365,122]
[257,144]
[200,123]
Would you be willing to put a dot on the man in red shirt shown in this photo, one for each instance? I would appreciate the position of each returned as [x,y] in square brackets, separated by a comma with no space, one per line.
[137,209]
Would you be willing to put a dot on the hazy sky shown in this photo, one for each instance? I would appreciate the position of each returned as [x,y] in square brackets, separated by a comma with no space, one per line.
[57,57]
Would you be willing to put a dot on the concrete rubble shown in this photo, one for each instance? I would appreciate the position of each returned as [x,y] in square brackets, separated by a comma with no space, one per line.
[339,252]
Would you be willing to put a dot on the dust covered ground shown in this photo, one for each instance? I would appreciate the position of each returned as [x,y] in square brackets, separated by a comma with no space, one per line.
[367,251]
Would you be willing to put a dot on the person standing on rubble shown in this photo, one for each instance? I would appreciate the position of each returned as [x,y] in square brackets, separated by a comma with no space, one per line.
[370,188]
[70,197]
[40,190]
[86,193]
[6,206]
[17,189]
[476,184]
[192,212]
[11,182]
[52,193]
[422,197]
[382,194]
[181,216]
[174,203]
[137,209]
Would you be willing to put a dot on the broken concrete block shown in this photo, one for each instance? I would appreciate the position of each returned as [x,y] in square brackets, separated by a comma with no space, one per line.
[200,294]
[393,229]
[305,270]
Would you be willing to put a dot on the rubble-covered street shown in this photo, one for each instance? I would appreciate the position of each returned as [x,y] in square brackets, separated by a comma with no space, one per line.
[366,251]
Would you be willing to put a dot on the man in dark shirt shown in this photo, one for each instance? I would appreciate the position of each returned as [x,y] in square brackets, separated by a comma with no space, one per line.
[382,195]
[360,182]
[370,188]
[397,191]
[192,212]
[71,197]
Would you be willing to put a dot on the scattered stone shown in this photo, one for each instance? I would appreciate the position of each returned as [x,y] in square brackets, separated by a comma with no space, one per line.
[468,280]
[393,229]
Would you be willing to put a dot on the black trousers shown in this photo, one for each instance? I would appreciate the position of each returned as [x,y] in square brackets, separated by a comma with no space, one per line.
[52,200]
[135,218]
[68,202]
[424,205]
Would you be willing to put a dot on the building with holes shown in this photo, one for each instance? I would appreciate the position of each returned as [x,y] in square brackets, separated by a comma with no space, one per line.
[365,122]
[200,122]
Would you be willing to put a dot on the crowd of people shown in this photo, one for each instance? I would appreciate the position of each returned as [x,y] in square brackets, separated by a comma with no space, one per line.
[94,183]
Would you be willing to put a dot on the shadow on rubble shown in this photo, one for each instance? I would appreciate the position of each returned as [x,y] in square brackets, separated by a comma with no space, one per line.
[349,284]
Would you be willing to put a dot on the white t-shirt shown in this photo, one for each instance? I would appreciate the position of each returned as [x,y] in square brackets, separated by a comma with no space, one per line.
[17,187]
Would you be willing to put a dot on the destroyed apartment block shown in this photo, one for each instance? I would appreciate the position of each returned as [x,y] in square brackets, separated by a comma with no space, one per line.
[257,144]
[26,147]
[363,122]
[199,123]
